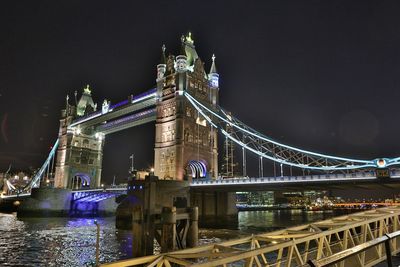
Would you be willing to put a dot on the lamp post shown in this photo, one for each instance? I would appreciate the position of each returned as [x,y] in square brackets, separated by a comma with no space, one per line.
[131,157]
[97,242]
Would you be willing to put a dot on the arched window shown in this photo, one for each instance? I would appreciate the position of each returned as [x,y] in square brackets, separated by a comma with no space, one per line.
[85,143]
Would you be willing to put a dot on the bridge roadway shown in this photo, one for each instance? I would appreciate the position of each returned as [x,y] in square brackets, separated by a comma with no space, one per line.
[365,180]
[82,193]
[334,238]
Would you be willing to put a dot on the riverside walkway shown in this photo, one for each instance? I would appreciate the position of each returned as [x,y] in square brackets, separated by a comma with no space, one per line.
[360,239]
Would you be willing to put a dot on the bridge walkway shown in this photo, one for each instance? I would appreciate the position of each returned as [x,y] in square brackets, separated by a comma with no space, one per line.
[293,246]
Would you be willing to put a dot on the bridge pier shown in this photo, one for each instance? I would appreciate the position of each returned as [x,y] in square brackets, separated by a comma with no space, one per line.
[57,202]
[216,208]
[158,209]
[46,202]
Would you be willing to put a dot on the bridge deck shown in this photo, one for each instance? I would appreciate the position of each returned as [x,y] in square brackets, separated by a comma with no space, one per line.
[256,183]
[292,246]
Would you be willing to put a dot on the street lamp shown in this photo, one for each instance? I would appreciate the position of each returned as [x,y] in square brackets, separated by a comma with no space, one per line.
[131,157]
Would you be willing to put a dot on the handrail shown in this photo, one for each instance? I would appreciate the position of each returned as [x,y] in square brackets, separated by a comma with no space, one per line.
[295,240]
[340,256]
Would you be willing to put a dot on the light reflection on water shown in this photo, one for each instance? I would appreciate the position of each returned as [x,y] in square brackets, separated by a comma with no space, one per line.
[59,241]
[71,241]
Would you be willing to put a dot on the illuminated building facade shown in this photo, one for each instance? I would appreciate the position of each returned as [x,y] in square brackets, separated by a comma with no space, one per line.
[185,145]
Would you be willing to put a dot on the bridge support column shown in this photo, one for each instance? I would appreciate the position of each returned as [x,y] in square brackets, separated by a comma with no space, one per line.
[215,208]
[279,198]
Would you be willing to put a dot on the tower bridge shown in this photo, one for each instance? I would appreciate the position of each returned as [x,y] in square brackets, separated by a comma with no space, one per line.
[184,107]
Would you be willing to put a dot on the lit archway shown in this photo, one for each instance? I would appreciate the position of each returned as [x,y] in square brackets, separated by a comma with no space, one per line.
[197,168]
[80,180]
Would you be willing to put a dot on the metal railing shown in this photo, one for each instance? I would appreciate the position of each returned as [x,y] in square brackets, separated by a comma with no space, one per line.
[294,246]
[291,179]
[343,255]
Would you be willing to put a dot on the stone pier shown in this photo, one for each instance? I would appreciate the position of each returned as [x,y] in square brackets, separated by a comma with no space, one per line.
[158,210]
[56,202]
[216,208]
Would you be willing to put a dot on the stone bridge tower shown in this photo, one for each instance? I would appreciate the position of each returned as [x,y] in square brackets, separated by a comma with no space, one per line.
[80,150]
[185,145]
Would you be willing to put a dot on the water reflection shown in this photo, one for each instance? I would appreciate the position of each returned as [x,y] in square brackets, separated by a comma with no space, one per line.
[263,221]
[71,241]
[58,241]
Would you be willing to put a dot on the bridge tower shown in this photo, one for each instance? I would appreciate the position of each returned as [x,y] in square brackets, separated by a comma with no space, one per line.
[185,145]
[80,151]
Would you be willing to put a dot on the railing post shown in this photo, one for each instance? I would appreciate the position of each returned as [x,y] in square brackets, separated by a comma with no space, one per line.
[137,231]
[388,252]
[97,242]
[311,263]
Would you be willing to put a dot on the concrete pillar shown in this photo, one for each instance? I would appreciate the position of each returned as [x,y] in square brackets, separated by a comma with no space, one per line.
[215,208]
[168,234]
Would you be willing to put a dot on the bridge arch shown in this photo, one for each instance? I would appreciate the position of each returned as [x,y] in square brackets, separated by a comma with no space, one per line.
[80,180]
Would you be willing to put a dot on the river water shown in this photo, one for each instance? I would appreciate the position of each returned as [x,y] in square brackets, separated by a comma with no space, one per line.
[71,241]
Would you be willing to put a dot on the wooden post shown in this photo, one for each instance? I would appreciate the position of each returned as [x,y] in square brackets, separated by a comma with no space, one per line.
[137,232]
[193,233]
[148,216]
[168,234]
[97,242]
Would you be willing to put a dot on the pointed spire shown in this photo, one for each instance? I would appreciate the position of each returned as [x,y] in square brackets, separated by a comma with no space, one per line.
[183,45]
[213,67]
[189,38]
[87,90]
[67,104]
[163,59]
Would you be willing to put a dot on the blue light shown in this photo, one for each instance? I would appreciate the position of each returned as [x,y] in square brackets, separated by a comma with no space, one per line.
[140,187]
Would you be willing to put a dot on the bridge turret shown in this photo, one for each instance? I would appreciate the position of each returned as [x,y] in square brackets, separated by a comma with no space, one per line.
[181,59]
[185,145]
[85,104]
[80,150]
[213,78]
[161,68]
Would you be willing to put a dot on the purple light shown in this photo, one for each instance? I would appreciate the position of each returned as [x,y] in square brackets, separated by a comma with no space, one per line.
[151,91]
[122,103]
[129,118]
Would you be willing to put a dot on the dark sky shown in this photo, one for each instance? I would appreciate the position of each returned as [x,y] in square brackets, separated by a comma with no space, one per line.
[322,75]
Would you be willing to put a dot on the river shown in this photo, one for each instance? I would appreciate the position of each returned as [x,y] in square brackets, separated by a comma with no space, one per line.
[71,241]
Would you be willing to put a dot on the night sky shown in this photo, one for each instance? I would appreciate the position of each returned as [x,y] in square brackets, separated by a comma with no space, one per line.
[321,75]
